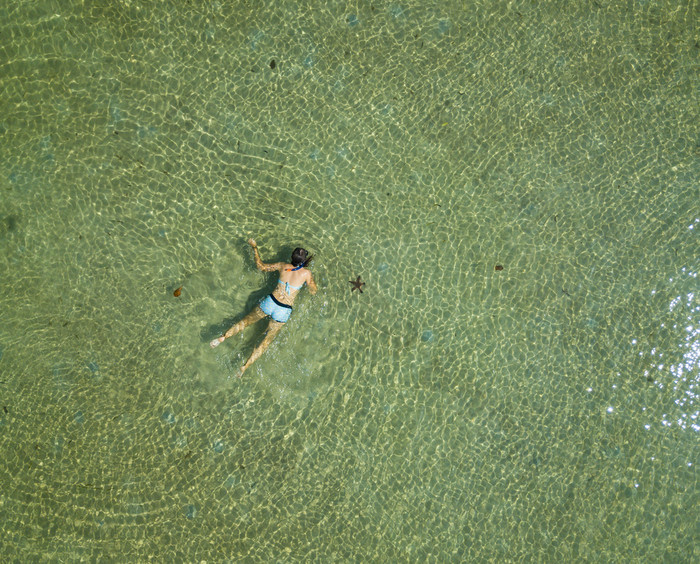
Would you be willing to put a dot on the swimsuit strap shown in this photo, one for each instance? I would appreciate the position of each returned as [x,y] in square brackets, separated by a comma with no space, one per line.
[297,268]
[287,286]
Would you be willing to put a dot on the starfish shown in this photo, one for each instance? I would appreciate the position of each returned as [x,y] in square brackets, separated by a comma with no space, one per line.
[357,285]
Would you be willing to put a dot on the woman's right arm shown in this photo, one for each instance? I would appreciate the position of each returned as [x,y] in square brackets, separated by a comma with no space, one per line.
[312,284]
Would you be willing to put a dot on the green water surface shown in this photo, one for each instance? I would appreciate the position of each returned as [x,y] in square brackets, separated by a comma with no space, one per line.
[546,411]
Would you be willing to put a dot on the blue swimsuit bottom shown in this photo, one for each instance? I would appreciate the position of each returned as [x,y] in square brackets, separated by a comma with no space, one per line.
[275,309]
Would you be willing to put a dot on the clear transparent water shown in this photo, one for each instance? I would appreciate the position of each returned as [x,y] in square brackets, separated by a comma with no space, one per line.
[546,411]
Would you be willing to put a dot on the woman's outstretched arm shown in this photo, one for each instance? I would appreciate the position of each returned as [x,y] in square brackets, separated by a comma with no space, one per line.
[258,261]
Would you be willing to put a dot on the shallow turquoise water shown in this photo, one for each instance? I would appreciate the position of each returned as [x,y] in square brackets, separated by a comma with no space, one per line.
[451,412]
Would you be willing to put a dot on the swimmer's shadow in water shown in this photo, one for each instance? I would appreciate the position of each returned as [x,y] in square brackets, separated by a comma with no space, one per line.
[218,329]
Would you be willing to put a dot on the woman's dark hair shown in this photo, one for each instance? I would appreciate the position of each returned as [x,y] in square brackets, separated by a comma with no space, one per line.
[301,257]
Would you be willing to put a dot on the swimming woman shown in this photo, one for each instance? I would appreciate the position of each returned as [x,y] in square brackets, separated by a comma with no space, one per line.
[278,305]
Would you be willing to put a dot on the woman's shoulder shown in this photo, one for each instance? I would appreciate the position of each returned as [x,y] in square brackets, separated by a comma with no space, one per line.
[287,269]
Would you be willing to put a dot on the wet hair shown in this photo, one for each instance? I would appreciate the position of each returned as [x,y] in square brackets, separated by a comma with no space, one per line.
[301,257]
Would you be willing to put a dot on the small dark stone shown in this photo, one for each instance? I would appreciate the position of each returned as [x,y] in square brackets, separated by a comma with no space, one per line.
[4,408]
[11,221]
[273,64]
[498,267]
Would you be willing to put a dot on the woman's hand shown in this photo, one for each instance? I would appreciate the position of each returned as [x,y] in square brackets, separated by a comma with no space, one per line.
[252,243]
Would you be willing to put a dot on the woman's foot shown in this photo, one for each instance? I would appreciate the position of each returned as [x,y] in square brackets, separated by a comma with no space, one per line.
[216,342]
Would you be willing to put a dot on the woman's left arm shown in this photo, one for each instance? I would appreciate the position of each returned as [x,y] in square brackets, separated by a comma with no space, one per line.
[258,261]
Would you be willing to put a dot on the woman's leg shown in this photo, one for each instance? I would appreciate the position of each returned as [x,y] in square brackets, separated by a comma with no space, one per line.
[252,317]
[272,329]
